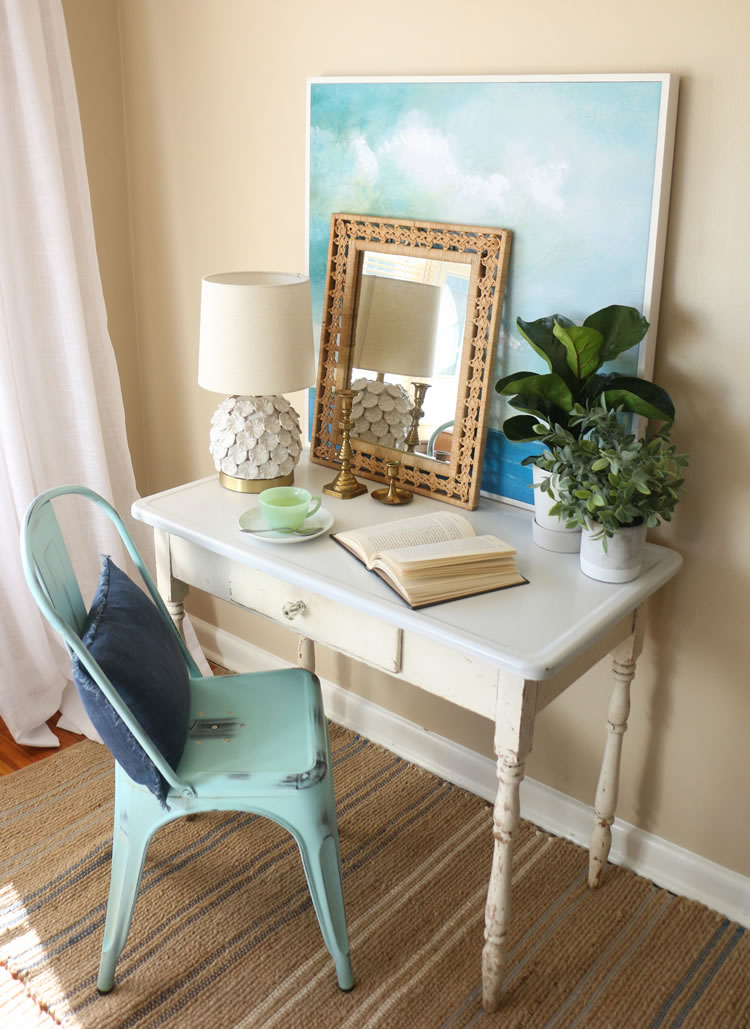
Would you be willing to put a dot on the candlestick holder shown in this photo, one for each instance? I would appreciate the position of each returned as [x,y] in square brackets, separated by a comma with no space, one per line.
[345,486]
[412,437]
[392,494]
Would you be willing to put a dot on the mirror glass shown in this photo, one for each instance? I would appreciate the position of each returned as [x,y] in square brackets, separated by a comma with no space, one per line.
[411,311]
[409,331]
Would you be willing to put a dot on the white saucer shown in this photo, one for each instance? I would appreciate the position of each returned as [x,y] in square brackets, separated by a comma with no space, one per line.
[321,521]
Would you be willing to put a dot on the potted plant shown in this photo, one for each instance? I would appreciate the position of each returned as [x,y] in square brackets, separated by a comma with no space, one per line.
[574,355]
[613,485]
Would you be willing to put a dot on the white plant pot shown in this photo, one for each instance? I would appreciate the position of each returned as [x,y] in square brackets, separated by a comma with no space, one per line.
[622,559]
[548,531]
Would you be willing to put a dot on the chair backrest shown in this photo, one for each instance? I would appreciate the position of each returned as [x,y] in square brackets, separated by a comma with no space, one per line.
[54,586]
[53,571]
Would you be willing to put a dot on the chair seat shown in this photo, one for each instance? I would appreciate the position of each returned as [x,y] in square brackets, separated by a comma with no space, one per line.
[254,733]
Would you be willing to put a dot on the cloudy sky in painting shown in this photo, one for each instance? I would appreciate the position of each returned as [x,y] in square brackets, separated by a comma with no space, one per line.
[568,166]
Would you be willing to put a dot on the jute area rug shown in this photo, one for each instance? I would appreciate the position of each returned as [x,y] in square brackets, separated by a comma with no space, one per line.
[224,934]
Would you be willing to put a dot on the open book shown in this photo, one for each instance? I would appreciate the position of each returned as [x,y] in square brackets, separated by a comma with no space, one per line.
[434,557]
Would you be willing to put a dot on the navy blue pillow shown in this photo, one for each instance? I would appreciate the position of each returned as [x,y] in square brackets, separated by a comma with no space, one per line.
[136,648]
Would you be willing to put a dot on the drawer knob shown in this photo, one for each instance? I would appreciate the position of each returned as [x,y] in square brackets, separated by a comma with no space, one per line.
[293,608]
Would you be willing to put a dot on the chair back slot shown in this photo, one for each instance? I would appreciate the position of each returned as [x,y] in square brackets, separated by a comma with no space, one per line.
[54,571]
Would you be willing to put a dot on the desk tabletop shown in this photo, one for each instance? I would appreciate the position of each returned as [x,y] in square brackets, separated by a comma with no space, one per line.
[532,630]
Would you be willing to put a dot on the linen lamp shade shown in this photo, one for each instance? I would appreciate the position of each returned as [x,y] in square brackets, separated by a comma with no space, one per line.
[397,326]
[256,333]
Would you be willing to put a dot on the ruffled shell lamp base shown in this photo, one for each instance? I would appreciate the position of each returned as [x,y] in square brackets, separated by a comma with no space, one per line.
[381,413]
[255,442]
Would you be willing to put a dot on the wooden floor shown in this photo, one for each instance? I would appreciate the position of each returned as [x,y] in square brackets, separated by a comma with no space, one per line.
[14,756]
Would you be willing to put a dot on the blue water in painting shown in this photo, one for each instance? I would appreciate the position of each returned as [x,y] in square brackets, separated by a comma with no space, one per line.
[502,472]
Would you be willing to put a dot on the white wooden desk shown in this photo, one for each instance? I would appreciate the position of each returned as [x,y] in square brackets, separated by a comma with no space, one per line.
[503,655]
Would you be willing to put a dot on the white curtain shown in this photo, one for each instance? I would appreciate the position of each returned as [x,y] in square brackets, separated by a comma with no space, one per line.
[61,410]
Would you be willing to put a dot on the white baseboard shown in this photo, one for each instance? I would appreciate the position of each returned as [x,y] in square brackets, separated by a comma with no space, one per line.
[664,863]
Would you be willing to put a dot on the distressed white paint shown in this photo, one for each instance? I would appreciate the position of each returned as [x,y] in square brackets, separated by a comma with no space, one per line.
[623,665]
[514,728]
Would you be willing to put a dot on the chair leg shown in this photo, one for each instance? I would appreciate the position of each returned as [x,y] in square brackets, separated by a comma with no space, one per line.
[130,841]
[322,864]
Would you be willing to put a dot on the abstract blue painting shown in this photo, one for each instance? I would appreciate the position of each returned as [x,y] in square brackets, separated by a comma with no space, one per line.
[577,167]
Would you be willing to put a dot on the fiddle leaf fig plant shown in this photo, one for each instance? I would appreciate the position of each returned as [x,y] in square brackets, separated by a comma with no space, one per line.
[604,478]
[574,355]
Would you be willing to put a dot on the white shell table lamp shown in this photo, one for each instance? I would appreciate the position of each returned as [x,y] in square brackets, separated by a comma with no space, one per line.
[396,332]
[256,342]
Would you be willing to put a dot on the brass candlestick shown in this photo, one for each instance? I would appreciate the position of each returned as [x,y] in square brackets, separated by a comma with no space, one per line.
[392,494]
[412,437]
[345,486]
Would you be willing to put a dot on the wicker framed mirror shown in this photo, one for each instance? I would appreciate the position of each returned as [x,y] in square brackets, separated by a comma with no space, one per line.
[411,311]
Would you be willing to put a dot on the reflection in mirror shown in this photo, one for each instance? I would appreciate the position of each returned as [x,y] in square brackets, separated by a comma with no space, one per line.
[410,317]
[407,340]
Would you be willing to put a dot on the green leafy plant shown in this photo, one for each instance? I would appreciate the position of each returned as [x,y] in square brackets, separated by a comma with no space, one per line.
[604,478]
[574,354]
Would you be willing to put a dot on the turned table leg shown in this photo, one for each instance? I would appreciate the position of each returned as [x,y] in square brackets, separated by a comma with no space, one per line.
[306,653]
[173,591]
[513,732]
[623,666]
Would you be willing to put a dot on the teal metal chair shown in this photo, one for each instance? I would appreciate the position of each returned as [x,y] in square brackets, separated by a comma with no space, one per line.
[256,743]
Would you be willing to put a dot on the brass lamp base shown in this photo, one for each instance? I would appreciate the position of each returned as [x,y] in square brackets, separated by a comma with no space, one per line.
[254,485]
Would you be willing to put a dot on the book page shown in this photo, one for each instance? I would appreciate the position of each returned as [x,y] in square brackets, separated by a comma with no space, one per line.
[418,593]
[448,552]
[405,532]
[450,569]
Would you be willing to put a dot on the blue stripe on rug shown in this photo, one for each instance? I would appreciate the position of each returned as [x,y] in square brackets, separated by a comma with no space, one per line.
[709,977]
[673,995]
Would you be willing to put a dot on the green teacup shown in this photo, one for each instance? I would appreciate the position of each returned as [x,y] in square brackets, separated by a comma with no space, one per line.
[287,507]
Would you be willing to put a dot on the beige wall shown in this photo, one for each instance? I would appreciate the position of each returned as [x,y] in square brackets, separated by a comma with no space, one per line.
[214,133]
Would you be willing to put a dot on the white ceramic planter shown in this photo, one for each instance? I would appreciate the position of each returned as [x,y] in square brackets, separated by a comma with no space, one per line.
[622,560]
[548,531]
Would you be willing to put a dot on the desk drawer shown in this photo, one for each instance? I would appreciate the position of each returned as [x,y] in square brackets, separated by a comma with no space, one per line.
[325,621]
